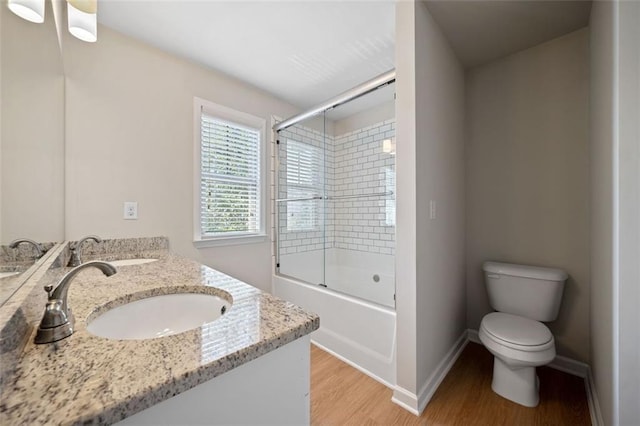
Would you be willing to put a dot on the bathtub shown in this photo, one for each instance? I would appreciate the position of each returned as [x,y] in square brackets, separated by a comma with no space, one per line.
[357,318]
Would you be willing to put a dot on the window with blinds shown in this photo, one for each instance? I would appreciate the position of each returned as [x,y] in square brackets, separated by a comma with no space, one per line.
[230,184]
[304,180]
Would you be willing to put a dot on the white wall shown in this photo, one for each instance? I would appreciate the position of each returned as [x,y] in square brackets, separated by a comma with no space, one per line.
[629,213]
[32,134]
[440,177]
[382,112]
[406,219]
[430,298]
[130,138]
[615,195]
[601,147]
[527,180]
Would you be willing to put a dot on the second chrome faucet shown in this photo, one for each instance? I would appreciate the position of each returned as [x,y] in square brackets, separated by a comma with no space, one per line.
[37,246]
[76,251]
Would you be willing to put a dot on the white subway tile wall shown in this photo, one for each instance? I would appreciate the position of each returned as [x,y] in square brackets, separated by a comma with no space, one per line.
[359,164]
[363,167]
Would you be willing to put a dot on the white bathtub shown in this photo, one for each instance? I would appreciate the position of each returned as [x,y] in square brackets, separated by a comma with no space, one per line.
[367,276]
[358,327]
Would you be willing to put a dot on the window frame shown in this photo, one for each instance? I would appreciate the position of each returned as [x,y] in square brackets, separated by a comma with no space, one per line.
[243,119]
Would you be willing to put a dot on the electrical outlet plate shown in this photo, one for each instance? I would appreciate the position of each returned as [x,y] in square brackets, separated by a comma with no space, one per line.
[131,210]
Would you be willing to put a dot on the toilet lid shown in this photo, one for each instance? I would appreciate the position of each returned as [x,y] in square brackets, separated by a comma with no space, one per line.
[515,329]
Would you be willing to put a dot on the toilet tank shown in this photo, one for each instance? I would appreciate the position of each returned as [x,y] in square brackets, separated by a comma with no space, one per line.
[529,291]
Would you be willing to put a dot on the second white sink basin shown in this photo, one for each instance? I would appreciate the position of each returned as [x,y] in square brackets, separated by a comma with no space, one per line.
[158,316]
[129,262]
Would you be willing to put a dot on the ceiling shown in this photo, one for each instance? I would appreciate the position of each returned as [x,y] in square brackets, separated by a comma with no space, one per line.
[481,31]
[307,51]
[304,52]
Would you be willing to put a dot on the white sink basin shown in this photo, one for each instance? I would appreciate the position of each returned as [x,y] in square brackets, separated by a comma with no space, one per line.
[158,316]
[129,262]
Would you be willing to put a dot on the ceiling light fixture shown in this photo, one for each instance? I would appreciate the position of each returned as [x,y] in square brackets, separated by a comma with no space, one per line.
[83,19]
[31,10]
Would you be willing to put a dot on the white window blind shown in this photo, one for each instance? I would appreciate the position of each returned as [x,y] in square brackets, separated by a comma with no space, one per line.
[229,178]
[304,180]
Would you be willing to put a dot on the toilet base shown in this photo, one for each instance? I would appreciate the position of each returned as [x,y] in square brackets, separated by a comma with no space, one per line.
[520,385]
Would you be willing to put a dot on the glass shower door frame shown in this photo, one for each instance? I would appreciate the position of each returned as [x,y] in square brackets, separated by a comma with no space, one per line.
[278,202]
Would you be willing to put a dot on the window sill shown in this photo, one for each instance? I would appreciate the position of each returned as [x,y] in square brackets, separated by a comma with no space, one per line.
[230,241]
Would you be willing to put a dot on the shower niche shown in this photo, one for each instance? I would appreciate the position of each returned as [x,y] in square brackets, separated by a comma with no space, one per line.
[335,198]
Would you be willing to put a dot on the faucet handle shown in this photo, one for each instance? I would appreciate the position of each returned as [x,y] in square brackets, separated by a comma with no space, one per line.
[49,289]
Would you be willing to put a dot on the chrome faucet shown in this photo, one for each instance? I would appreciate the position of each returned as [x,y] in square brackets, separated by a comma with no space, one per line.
[76,252]
[57,321]
[39,248]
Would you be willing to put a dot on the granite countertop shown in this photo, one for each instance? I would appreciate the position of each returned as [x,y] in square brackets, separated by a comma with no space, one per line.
[89,379]
[20,261]
[10,278]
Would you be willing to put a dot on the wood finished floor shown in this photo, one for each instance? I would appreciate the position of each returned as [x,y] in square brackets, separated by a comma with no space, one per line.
[342,395]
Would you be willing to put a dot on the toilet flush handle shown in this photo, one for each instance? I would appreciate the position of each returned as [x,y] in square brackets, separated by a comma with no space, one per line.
[494,276]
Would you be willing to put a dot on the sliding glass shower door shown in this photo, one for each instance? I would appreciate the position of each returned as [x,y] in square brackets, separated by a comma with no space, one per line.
[336,198]
[301,200]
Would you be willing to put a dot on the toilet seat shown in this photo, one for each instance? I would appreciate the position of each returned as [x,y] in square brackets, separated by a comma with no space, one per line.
[516,332]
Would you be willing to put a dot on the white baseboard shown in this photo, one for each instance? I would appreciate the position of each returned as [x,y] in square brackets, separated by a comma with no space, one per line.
[573,367]
[417,403]
[405,399]
[472,335]
[582,370]
[570,366]
[430,387]
[592,400]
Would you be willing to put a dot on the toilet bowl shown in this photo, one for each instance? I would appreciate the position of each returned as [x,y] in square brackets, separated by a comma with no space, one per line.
[518,345]
[523,296]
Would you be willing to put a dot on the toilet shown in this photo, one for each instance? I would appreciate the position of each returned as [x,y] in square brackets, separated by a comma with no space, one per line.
[524,297]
